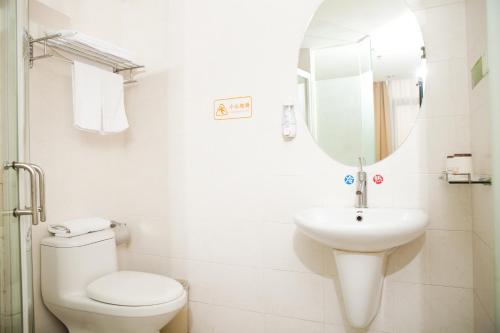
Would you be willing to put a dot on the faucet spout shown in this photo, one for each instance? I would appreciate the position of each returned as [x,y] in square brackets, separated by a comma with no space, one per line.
[361,190]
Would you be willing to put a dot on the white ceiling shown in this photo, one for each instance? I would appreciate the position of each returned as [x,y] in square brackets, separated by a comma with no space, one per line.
[393,31]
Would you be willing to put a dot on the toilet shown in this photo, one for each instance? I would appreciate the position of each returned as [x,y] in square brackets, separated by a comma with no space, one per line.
[81,285]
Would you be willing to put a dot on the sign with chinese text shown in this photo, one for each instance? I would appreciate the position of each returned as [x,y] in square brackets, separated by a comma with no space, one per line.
[233,108]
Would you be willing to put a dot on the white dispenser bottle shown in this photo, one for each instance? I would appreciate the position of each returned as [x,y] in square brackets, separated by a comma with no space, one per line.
[289,122]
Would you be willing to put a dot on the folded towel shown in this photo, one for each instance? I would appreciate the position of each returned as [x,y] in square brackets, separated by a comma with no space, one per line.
[98,100]
[78,227]
[96,44]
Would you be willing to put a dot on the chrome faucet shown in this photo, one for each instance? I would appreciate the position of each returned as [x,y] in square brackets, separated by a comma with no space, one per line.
[361,201]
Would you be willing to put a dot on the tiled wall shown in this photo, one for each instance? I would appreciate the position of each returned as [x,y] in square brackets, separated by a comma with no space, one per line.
[212,201]
[482,205]
[248,267]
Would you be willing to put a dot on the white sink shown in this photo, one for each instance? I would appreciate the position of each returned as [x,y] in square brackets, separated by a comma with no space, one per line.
[363,229]
[361,238]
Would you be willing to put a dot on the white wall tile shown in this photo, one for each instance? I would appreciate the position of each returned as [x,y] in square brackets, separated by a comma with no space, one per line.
[411,191]
[481,128]
[476,29]
[450,258]
[442,136]
[482,322]
[191,240]
[147,234]
[380,195]
[444,31]
[482,215]
[239,287]
[237,242]
[295,195]
[228,320]
[484,279]
[200,276]
[410,262]
[411,311]
[346,329]
[479,97]
[297,295]
[146,263]
[448,207]
[422,4]
[426,308]
[447,88]
[452,309]
[286,248]
[276,324]
[200,318]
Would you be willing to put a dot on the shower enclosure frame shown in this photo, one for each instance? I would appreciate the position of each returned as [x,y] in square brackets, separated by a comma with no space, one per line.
[16,301]
[493,46]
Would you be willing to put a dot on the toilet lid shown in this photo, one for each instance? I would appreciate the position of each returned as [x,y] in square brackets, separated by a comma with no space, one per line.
[129,288]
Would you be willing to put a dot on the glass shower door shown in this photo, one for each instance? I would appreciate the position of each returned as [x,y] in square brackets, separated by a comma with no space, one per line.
[493,26]
[11,101]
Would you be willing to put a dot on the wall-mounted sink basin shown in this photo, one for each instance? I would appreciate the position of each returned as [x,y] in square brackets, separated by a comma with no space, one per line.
[362,229]
[360,239]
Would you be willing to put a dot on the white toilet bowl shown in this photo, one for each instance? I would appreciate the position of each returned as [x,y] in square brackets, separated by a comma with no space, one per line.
[82,286]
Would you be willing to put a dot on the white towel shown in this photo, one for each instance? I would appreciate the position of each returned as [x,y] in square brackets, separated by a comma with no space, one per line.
[87,101]
[114,118]
[78,227]
[98,100]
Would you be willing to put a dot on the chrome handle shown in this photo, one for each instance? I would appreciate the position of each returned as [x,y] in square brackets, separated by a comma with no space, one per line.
[33,210]
[41,189]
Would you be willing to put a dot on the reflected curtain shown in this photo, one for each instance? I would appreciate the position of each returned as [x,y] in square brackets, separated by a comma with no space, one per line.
[405,104]
[383,130]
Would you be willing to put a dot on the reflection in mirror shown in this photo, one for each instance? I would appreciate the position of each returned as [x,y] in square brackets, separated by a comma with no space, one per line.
[361,77]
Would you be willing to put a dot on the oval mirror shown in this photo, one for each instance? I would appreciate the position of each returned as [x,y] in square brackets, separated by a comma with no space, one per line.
[361,76]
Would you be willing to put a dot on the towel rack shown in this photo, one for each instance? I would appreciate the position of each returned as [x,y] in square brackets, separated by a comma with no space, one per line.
[60,43]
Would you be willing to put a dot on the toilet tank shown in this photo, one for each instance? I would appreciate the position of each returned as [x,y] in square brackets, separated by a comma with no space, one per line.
[68,265]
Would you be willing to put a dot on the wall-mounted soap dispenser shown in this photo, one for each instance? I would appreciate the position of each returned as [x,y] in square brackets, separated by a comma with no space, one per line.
[289,122]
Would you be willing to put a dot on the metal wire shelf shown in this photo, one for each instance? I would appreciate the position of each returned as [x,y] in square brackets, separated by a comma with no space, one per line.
[60,42]
[466,178]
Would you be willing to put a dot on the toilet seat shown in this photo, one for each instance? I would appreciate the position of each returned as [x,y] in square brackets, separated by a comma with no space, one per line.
[81,302]
[128,288]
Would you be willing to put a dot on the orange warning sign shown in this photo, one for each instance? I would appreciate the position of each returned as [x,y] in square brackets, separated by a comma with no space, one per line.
[233,108]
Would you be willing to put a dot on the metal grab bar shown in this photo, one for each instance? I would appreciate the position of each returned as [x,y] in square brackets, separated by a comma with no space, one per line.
[33,210]
[41,190]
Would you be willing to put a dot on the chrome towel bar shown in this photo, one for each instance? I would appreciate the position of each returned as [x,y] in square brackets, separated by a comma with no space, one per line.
[58,42]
